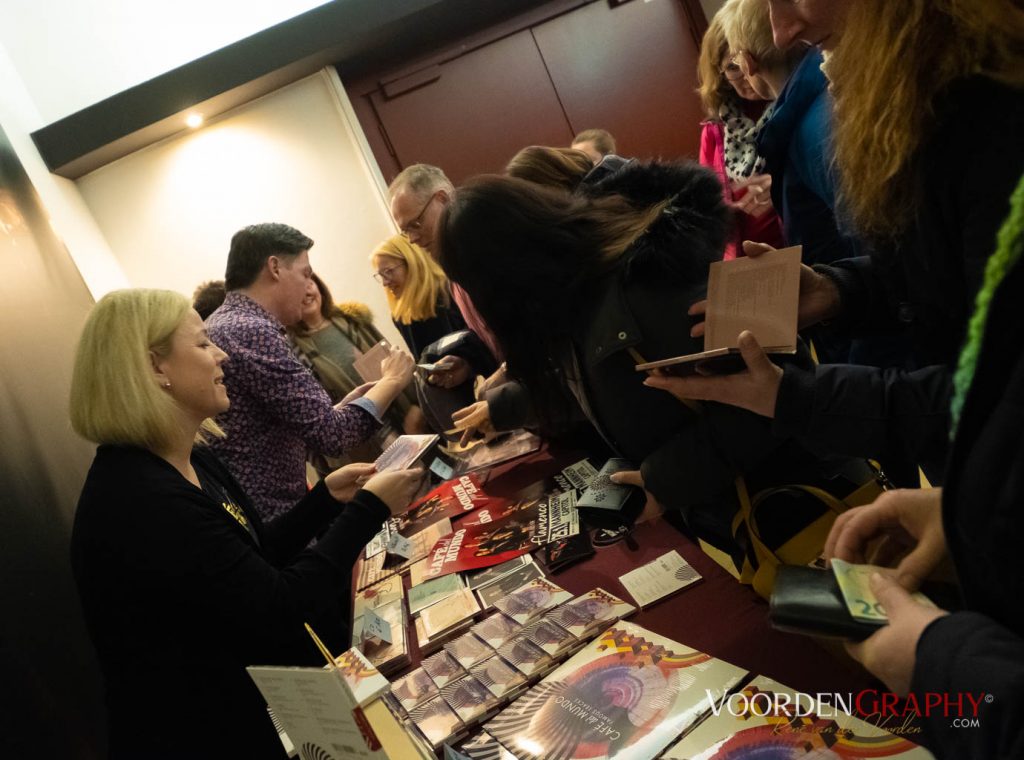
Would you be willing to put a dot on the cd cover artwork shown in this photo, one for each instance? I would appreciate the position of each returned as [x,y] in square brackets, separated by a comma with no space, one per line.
[469,698]
[626,695]
[376,568]
[500,678]
[468,650]
[483,746]
[591,610]
[377,595]
[603,493]
[430,644]
[442,668]
[507,446]
[496,630]
[386,657]
[557,518]
[422,595]
[449,614]
[414,689]
[508,583]
[531,600]
[404,451]
[559,554]
[764,721]
[436,720]
[527,657]
[363,680]
[549,636]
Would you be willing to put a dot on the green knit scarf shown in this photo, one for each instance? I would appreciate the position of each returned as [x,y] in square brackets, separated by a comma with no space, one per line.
[1009,244]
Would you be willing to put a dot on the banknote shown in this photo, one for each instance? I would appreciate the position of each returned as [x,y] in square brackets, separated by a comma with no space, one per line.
[855,585]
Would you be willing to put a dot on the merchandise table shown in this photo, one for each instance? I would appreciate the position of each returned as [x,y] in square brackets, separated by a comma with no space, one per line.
[717,615]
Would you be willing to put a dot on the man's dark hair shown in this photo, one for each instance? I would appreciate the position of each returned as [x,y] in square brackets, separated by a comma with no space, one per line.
[253,245]
[208,297]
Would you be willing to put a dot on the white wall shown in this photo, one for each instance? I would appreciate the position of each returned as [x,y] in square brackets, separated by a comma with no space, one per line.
[70,219]
[295,156]
[73,53]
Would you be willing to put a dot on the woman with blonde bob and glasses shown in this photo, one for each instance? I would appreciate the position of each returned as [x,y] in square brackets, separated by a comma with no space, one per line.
[418,293]
[181,582]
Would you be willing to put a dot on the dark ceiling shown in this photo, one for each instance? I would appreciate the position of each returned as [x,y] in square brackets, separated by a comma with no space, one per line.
[356,35]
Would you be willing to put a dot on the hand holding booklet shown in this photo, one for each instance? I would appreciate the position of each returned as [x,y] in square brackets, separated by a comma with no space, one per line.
[756,294]
[368,364]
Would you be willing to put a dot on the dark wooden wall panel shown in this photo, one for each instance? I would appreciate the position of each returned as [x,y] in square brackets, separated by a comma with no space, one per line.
[538,79]
[475,111]
[630,69]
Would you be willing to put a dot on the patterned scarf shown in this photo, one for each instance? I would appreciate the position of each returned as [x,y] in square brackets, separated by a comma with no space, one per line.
[1009,245]
[741,159]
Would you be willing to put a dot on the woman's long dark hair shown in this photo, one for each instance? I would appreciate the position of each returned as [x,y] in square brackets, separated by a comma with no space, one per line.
[527,255]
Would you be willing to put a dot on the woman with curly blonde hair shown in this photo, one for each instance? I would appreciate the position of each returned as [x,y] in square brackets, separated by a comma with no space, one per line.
[735,116]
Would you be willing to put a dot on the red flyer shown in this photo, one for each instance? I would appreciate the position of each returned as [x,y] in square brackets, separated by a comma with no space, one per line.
[470,547]
[452,499]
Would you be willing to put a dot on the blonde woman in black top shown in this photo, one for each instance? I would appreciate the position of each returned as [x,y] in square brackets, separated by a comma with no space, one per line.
[181,582]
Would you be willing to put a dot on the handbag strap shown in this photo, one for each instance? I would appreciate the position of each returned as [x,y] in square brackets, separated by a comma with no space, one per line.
[834,504]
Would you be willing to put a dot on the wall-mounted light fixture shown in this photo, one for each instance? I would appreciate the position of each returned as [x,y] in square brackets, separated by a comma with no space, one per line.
[193,120]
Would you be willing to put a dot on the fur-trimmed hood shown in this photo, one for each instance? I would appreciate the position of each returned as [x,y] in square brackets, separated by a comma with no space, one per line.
[689,234]
[356,311]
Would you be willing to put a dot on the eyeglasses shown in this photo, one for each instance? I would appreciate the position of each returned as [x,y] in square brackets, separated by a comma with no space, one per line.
[417,220]
[732,70]
[386,275]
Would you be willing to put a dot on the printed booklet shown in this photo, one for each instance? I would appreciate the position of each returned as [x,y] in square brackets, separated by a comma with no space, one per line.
[629,693]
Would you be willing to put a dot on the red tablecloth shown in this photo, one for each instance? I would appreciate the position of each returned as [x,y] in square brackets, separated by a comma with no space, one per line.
[716,615]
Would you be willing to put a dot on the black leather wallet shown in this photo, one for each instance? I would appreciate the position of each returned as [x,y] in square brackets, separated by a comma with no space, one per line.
[808,600]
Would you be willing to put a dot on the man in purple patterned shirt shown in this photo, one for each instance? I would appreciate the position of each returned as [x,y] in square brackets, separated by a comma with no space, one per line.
[278,409]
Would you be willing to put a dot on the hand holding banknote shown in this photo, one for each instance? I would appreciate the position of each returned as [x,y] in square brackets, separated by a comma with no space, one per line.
[855,585]
[907,522]
[900,529]
[890,654]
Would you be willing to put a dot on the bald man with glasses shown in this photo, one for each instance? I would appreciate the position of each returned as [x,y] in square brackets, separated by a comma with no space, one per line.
[418,195]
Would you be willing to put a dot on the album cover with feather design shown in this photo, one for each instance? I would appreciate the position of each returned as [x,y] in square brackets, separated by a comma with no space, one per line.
[628,694]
